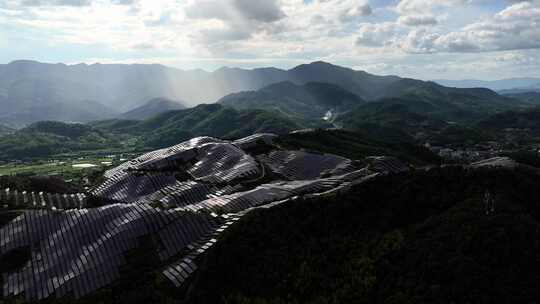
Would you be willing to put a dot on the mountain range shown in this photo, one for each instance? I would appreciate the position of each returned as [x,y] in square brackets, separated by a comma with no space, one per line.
[32,91]
[315,99]
[525,83]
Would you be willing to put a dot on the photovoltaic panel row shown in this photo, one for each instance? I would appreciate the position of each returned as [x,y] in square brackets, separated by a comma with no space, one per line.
[80,251]
[300,165]
[25,199]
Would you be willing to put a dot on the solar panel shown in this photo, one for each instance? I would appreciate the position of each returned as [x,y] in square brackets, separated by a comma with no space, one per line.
[76,250]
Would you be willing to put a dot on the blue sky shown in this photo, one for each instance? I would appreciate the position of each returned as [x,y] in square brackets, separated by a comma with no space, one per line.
[428,39]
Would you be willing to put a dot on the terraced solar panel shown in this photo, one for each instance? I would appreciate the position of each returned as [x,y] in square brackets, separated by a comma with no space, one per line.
[77,250]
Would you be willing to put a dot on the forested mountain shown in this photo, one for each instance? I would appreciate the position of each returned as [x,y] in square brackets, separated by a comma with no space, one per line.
[421,121]
[359,144]
[460,105]
[152,108]
[411,116]
[415,97]
[171,127]
[313,100]
[416,237]
[47,138]
[43,139]
[32,91]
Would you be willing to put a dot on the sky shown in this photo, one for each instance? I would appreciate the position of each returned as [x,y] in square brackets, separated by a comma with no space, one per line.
[426,39]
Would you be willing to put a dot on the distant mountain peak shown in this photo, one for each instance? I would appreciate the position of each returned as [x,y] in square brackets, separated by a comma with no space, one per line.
[226,69]
[152,108]
[319,65]
[22,61]
[309,101]
[320,62]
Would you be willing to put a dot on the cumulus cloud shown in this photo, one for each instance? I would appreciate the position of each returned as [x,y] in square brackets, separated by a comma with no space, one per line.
[516,27]
[422,6]
[240,19]
[376,35]
[419,41]
[231,10]
[261,10]
[415,20]
[256,31]
[422,12]
[355,12]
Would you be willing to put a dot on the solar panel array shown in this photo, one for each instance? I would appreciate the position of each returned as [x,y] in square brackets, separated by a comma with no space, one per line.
[386,164]
[209,167]
[80,251]
[254,140]
[300,165]
[173,194]
[14,199]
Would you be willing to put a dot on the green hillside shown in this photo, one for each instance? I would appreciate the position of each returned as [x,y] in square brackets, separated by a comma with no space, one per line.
[210,120]
[48,138]
[357,145]
[411,116]
[311,101]
[418,237]
[453,104]
[421,120]
[44,139]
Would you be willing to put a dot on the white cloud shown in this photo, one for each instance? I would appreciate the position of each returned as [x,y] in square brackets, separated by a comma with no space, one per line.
[232,20]
[516,27]
[423,6]
[30,3]
[355,12]
[252,32]
[376,35]
[261,11]
[419,41]
[414,20]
